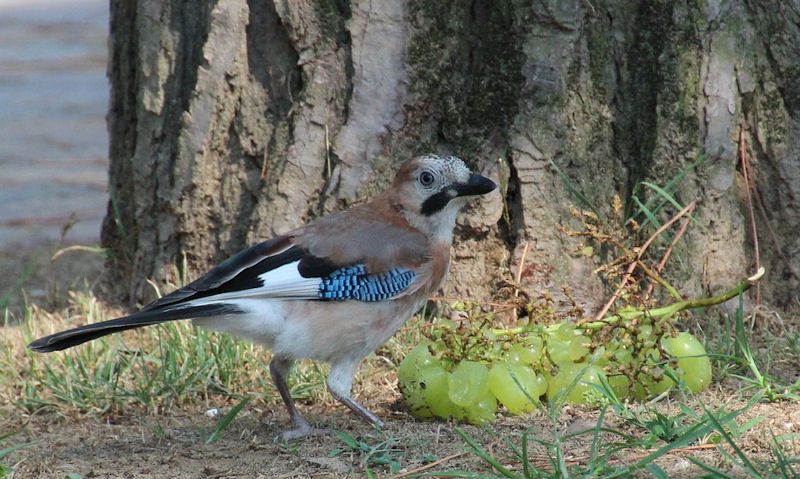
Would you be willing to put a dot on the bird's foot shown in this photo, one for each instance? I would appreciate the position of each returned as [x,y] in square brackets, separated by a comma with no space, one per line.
[301,431]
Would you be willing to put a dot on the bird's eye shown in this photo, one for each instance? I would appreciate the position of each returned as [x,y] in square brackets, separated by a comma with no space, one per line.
[426,178]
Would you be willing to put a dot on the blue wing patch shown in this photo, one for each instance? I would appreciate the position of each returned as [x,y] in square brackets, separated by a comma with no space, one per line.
[353,282]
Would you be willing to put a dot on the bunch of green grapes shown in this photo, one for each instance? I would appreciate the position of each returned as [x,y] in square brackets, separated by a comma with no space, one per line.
[464,371]
[470,390]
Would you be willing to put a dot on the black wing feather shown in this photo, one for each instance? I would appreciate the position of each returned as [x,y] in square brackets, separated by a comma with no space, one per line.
[226,271]
[242,272]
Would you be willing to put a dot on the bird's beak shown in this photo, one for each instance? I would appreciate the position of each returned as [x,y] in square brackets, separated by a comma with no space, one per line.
[477,185]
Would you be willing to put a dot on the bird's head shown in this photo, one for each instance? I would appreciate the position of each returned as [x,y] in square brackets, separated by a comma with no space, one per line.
[432,189]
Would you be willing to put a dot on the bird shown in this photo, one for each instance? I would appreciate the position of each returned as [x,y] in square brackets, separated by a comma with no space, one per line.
[332,290]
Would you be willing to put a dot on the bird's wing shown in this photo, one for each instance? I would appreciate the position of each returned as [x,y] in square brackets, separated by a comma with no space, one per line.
[350,256]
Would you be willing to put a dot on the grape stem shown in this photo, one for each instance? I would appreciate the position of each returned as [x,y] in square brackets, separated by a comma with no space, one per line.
[672,309]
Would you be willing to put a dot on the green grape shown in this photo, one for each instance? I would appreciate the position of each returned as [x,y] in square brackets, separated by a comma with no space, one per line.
[466,382]
[528,354]
[408,374]
[558,351]
[565,346]
[534,348]
[654,382]
[416,402]
[645,331]
[433,380]
[483,410]
[622,355]
[561,331]
[600,356]
[583,391]
[414,397]
[694,365]
[620,385]
[517,398]
[578,347]
[653,387]
[541,385]
[417,358]
[514,355]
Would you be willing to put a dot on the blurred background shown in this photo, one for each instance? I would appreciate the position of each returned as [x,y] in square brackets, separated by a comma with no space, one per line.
[53,143]
[53,138]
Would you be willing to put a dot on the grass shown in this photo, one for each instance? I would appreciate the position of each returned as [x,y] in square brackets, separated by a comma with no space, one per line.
[151,369]
[163,370]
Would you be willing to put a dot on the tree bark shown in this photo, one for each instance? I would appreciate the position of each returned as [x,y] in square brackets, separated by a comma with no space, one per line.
[234,120]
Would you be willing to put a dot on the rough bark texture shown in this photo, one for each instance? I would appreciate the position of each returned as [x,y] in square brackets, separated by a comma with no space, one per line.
[233,120]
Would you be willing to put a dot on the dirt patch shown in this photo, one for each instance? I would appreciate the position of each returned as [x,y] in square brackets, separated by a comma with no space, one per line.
[174,445]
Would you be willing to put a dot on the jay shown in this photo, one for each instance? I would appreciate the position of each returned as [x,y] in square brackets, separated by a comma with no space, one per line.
[332,290]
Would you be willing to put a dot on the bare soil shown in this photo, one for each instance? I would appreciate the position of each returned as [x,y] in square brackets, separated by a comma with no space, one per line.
[174,445]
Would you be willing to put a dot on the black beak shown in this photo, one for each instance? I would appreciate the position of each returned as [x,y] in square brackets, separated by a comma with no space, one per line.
[477,185]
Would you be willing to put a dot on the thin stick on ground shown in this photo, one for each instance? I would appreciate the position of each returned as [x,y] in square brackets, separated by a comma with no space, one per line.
[430,465]
[748,193]
[625,277]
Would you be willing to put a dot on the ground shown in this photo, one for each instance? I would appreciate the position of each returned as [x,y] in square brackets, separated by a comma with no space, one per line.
[174,445]
[59,438]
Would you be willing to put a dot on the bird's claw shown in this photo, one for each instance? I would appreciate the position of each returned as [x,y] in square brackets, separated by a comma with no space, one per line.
[301,432]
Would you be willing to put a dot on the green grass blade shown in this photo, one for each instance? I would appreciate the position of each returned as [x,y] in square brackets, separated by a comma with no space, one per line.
[715,473]
[664,194]
[649,216]
[227,420]
[596,435]
[656,471]
[721,430]
[483,454]
[526,465]
[670,184]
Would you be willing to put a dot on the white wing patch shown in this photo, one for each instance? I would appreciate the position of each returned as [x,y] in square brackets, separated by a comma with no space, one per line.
[283,282]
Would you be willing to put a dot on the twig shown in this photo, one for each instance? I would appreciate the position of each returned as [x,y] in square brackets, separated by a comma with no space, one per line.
[437,462]
[639,255]
[327,154]
[522,264]
[263,173]
[519,274]
[748,193]
[668,252]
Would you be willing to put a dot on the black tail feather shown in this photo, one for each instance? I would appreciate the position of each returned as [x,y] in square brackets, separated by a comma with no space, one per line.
[76,336]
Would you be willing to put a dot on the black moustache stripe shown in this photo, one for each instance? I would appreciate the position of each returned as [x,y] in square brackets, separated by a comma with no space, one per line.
[436,203]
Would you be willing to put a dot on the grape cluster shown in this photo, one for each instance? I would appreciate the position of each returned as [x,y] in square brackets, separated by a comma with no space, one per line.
[462,371]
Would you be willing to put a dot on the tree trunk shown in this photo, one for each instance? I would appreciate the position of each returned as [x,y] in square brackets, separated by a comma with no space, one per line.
[234,120]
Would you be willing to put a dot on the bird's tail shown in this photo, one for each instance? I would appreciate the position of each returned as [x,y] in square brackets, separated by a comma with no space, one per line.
[76,336]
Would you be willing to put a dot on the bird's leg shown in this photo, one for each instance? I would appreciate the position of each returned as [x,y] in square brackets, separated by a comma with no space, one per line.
[340,380]
[279,368]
